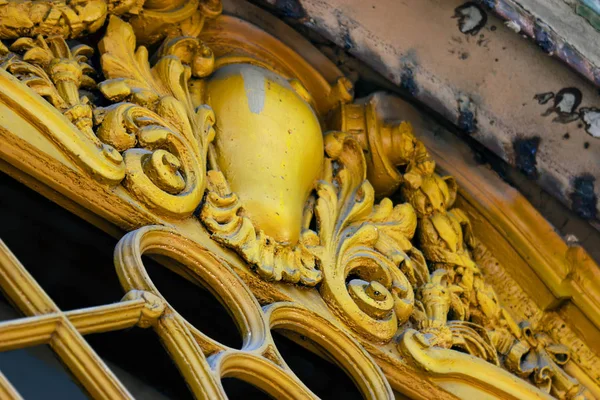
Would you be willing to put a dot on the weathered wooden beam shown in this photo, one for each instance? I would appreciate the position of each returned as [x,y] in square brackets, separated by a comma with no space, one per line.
[467,65]
[558,28]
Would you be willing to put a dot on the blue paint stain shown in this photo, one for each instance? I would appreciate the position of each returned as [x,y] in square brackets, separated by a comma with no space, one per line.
[525,155]
[583,199]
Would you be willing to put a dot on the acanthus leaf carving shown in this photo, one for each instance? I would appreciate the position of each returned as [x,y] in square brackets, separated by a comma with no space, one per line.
[458,310]
[364,286]
[222,215]
[167,170]
[376,265]
[162,133]
[152,20]
[58,73]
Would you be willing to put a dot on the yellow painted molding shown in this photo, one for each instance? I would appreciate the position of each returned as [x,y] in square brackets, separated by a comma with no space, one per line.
[233,156]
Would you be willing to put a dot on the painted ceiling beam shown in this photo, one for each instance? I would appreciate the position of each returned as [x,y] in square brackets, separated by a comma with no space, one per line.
[566,29]
[466,64]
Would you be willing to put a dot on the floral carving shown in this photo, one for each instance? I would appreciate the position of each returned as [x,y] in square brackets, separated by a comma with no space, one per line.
[377,265]
[273,261]
[457,309]
[154,133]
[61,75]
[537,357]
[360,254]
[69,19]
[57,73]
[72,19]
[454,308]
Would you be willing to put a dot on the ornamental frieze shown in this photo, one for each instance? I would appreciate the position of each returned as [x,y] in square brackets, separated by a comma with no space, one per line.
[254,174]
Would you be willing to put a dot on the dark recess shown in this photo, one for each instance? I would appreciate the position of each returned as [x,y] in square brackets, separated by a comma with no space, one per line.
[73,262]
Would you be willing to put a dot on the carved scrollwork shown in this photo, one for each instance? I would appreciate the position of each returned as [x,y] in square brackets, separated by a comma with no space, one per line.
[72,19]
[162,134]
[537,357]
[166,170]
[362,245]
[457,309]
[377,265]
[203,361]
[68,19]
[59,74]
[360,254]
[272,260]
[454,307]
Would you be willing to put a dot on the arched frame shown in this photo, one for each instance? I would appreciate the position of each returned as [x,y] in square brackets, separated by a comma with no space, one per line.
[89,168]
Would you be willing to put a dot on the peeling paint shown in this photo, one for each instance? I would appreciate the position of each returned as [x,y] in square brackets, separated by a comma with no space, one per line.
[513,26]
[440,84]
[526,150]
[565,105]
[467,121]
[591,119]
[489,3]
[348,43]
[543,39]
[521,20]
[254,86]
[291,8]
[471,18]
[543,98]
[346,27]
[583,198]
[567,100]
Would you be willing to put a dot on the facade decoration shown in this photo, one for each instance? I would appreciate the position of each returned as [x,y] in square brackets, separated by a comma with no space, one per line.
[229,156]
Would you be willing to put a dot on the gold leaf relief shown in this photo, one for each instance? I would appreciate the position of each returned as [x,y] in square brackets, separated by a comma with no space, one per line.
[222,214]
[167,171]
[59,74]
[377,265]
[364,287]
[127,68]
[72,19]
[162,135]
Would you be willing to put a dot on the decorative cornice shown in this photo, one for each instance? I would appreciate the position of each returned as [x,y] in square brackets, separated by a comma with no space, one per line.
[163,157]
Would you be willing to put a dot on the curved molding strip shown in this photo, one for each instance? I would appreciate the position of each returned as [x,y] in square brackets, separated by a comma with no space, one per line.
[457,369]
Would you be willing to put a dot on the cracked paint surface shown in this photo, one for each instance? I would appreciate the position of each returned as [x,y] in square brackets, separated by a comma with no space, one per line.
[496,71]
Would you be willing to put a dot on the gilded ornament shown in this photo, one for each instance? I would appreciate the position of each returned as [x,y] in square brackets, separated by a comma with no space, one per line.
[223,215]
[237,149]
[268,136]
[151,20]
[155,112]
[60,75]
[348,228]
[388,147]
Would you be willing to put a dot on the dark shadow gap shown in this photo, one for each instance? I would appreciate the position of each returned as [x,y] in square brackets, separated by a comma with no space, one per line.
[35,373]
[196,304]
[325,379]
[238,389]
